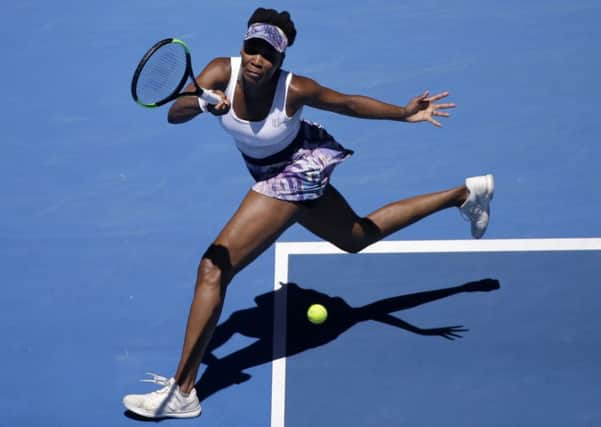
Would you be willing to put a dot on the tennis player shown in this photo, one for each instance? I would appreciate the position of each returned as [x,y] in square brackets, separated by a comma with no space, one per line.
[291,161]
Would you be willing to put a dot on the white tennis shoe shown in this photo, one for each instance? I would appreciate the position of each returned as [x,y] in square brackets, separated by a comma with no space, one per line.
[168,402]
[476,209]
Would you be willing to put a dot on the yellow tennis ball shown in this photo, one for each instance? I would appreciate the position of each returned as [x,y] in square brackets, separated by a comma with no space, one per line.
[317,314]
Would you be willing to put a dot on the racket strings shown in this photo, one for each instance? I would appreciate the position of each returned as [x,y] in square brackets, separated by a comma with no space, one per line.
[161,74]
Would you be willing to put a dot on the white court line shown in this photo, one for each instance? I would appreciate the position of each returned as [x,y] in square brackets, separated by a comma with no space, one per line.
[284,249]
[434,246]
[278,376]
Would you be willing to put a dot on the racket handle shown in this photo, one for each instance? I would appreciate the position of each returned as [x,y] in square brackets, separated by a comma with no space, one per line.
[210,97]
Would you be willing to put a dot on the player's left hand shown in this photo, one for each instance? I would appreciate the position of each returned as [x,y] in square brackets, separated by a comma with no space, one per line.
[423,108]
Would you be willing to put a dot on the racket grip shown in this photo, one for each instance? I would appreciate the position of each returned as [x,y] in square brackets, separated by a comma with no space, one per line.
[210,97]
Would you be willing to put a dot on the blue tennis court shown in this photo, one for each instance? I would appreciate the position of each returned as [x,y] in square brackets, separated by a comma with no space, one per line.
[107,209]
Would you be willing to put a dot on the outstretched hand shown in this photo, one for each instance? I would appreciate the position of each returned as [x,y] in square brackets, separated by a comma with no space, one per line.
[423,108]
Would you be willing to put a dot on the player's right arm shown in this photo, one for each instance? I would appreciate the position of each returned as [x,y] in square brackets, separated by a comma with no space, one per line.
[214,77]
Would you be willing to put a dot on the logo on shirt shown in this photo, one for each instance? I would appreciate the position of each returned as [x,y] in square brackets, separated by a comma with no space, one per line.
[277,121]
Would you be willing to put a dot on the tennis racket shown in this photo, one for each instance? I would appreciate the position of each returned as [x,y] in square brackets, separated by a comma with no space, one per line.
[162,74]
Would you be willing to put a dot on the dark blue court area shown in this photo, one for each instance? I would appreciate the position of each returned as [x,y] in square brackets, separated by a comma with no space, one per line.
[529,356]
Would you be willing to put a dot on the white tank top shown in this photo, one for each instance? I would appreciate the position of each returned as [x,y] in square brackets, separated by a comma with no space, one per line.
[266,137]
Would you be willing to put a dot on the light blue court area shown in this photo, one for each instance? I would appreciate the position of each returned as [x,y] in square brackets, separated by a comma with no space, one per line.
[106,209]
[528,354]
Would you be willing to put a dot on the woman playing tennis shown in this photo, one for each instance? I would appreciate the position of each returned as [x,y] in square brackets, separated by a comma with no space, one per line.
[291,160]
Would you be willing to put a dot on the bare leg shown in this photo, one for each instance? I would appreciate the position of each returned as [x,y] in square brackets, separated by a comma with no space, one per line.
[253,228]
[332,219]
[402,213]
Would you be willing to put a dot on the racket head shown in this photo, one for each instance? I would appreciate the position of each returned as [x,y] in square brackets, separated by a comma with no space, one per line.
[162,73]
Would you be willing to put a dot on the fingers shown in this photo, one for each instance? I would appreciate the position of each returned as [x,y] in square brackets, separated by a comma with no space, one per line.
[435,112]
[434,122]
[223,104]
[222,107]
[450,105]
[437,96]
[424,97]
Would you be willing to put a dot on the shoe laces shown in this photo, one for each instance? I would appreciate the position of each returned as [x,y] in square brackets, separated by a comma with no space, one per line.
[160,380]
[471,210]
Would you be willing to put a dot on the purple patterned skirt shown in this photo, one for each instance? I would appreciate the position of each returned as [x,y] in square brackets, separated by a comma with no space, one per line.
[302,170]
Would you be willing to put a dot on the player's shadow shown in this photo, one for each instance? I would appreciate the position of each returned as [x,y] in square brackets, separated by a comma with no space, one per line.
[257,322]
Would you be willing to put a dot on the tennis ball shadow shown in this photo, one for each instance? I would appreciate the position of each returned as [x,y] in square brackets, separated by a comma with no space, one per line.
[302,335]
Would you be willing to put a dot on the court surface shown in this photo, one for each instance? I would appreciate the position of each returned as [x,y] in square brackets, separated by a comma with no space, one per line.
[527,352]
[106,210]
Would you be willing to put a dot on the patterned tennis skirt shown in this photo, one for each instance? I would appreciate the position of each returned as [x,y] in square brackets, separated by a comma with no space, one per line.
[302,170]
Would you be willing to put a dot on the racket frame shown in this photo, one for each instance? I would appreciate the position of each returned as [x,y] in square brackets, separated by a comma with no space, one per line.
[205,94]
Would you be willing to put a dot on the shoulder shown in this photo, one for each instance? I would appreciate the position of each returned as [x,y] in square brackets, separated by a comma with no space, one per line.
[302,84]
[221,64]
[302,88]
[306,91]
[217,71]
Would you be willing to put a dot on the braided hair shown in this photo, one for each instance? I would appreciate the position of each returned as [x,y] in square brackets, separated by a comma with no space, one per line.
[281,20]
